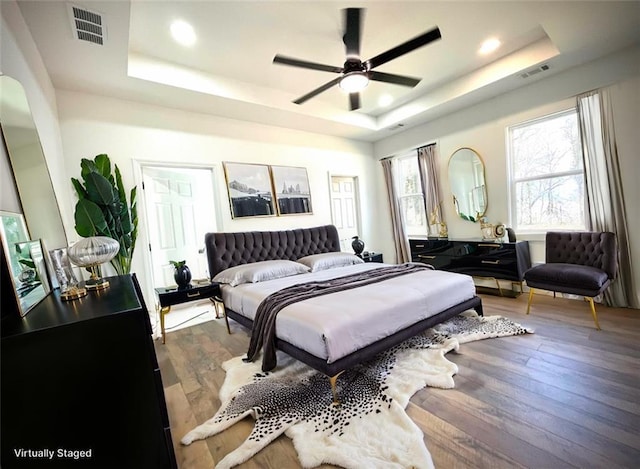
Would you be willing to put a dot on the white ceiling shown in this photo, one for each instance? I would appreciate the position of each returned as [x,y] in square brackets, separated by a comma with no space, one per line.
[230,71]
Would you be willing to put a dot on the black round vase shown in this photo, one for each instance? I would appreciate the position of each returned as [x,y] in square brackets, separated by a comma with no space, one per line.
[182,276]
[358,245]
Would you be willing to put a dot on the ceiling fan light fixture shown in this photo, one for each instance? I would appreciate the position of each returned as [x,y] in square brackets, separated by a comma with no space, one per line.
[354,82]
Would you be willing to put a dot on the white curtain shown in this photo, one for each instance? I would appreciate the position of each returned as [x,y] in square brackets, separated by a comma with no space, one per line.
[400,238]
[430,180]
[605,197]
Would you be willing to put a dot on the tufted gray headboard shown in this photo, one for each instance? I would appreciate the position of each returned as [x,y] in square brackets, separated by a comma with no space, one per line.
[226,250]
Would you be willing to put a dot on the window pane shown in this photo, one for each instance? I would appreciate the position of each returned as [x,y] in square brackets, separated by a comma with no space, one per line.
[408,177]
[414,218]
[551,203]
[546,146]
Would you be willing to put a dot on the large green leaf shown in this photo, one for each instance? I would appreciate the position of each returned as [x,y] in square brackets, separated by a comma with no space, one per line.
[80,190]
[88,167]
[89,219]
[103,165]
[100,189]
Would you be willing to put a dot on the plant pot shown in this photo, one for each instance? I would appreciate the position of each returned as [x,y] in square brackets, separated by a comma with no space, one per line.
[182,276]
[358,245]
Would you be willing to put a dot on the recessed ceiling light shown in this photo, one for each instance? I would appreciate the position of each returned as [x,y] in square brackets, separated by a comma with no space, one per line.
[183,33]
[489,46]
[385,100]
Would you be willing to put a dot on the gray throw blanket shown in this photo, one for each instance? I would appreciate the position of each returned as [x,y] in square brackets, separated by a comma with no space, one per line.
[263,334]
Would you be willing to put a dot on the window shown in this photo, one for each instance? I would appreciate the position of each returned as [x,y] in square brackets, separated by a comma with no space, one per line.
[410,194]
[547,174]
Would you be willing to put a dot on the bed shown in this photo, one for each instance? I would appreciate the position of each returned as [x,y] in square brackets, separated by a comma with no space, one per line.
[333,332]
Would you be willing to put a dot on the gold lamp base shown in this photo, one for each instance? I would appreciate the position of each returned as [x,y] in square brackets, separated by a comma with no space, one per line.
[73,294]
[96,284]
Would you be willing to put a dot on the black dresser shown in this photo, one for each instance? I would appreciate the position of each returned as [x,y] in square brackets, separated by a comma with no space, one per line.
[498,260]
[81,386]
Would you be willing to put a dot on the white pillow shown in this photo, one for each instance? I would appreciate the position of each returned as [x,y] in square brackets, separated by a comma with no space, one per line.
[259,272]
[329,260]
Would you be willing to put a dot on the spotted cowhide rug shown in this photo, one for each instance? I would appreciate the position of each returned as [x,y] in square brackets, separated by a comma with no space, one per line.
[370,428]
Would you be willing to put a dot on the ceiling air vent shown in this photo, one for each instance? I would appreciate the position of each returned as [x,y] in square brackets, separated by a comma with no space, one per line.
[87,25]
[396,127]
[534,71]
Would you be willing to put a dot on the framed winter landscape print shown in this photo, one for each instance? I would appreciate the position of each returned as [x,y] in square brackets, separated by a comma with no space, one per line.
[249,188]
[291,186]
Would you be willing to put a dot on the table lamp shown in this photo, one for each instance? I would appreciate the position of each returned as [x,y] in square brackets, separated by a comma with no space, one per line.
[90,253]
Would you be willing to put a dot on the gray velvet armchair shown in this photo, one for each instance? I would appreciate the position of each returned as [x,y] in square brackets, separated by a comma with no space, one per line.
[579,263]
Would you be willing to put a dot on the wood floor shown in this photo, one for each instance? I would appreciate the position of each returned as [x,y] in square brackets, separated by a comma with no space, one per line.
[566,396]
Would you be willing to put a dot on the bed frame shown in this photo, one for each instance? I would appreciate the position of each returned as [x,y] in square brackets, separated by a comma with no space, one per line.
[226,250]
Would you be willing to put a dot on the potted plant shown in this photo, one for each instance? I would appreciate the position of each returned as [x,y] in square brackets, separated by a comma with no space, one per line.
[182,273]
[103,210]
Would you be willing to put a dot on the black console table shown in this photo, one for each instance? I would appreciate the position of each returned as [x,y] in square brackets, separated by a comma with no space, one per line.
[478,258]
[81,386]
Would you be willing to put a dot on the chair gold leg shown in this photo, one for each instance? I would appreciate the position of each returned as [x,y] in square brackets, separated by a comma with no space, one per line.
[530,298]
[593,311]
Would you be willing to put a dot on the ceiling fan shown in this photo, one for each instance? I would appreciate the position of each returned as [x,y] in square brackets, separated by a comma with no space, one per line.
[356,74]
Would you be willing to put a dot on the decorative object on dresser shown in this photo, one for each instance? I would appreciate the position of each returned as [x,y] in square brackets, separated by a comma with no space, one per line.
[84,376]
[491,231]
[91,253]
[295,399]
[484,259]
[579,263]
[24,267]
[103,210]
[358,245]
[168,297]
[64,274]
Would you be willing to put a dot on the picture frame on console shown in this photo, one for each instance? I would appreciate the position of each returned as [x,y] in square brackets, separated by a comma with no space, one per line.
[250,190]
[28,272]
[292,191]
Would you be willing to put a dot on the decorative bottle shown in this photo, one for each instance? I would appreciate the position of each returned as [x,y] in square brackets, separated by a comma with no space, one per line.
[358,245]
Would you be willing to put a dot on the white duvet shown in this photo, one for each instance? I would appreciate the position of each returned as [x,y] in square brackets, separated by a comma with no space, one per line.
[335,325]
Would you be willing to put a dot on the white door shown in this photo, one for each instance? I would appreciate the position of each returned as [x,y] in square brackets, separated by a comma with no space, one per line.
[180,210]
[344,209]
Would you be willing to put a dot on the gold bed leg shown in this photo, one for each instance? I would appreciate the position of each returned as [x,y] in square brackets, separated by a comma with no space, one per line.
[593,311]
[530,298]
[498,284]
[334,391]
[218,304]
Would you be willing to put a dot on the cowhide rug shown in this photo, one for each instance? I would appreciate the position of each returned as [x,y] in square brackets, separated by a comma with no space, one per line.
[370,427]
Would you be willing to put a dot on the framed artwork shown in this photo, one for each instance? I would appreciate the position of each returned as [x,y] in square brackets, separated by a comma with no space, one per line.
[28,273]
[249,188]
[291,186]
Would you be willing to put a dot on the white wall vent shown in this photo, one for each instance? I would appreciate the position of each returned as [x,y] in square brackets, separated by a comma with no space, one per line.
[87,25]
[396,127]
[534,71]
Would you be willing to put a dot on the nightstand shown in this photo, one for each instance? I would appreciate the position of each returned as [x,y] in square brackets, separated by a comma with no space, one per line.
[168,297]
[372,257]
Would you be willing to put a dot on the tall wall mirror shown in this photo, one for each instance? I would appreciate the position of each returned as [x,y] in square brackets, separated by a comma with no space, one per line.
[29,166]
[468,185]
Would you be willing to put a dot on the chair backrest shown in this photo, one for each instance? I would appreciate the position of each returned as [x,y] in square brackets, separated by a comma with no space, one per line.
[596,249]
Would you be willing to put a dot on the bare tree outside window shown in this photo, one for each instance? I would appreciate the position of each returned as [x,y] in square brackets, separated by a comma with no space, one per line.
[547,174]
[410,194]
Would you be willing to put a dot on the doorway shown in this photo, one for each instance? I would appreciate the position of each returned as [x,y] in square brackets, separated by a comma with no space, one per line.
[345,208]
[180,209]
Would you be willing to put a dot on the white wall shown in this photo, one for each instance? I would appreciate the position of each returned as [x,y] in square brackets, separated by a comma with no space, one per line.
[131,133]
[483,127]
[21,60]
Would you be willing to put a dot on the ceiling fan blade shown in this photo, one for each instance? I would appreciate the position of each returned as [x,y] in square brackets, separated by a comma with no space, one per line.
[352,28]
[282,60]
[404,48]
[317,91]
[354,101]
[395,79]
